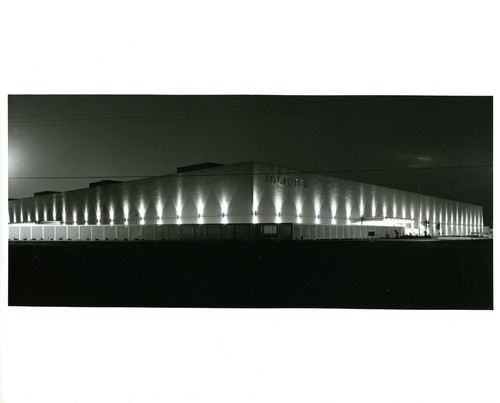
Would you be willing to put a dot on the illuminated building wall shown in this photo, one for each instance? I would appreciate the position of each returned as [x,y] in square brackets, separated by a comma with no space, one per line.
[250,192]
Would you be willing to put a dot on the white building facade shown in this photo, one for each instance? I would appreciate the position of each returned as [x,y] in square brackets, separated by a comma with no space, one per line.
[249,193]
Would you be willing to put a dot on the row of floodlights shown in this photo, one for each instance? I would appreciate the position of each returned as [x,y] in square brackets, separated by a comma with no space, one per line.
[224,215]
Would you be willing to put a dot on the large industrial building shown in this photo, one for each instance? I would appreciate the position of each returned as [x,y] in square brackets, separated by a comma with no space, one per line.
[204,201]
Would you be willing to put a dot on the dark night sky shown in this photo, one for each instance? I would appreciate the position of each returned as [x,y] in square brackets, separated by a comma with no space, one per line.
[152,135]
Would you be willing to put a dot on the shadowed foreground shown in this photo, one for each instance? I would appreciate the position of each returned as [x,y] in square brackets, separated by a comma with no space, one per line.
[319,274]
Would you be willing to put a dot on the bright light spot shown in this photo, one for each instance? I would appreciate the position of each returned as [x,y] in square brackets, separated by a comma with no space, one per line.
[36,215]
[333,206]
[178,206]
[278,202]
[361,208]
[142,211]
[200,206]
[317,206]
[126,210]
[159,208]
[224,206]
[255,220]
[298,207]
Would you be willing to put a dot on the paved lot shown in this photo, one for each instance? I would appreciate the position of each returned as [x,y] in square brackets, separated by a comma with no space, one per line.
[335,274]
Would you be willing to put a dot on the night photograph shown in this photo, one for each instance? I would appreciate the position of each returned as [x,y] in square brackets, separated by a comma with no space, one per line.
[251,201]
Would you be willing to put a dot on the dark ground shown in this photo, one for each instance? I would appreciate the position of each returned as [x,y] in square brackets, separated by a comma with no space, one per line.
[319,274]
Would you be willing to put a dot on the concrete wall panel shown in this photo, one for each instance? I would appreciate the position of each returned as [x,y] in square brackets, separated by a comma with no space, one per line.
[73,233]
[36,233]
[85,233]
[110,232]
[122,232]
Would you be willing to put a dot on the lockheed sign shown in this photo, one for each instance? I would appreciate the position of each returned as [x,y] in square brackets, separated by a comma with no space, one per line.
[286,181]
